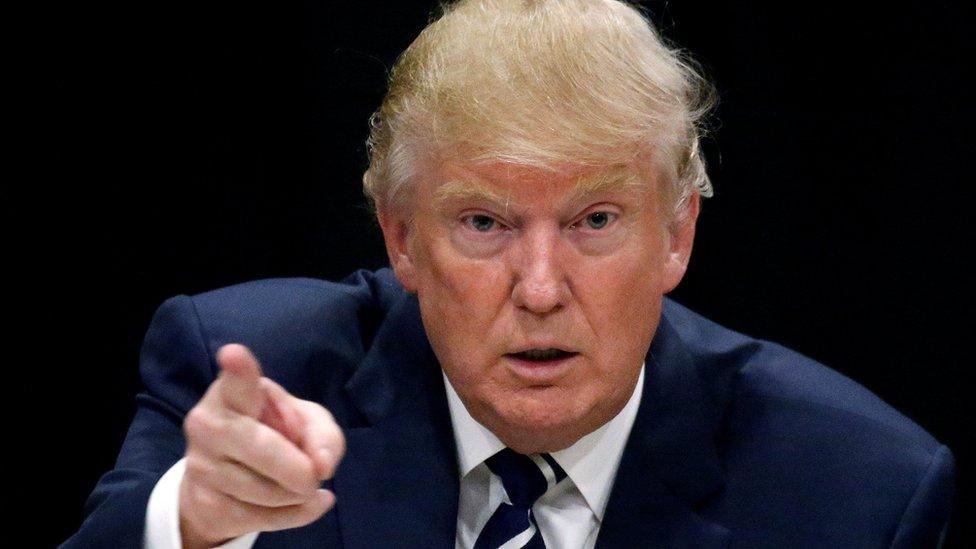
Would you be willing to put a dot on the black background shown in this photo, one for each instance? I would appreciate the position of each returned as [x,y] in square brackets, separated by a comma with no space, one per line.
[181,146]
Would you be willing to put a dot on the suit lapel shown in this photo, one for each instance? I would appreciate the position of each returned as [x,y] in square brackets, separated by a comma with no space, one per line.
[398,484]
[670,466]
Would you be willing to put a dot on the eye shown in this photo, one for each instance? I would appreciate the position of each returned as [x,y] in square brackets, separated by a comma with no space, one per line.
[598,220]
[481,223]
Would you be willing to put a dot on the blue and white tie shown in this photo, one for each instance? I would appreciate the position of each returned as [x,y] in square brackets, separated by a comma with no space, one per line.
[525,479]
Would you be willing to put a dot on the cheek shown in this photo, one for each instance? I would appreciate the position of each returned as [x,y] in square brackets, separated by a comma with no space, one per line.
[620,297]
[460,301]
[474,287]
[624,281]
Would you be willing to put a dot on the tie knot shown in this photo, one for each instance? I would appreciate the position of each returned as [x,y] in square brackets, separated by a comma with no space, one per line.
[525,478]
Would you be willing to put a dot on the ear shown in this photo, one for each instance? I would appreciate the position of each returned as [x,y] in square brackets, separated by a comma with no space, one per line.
[396,235]
[682,237]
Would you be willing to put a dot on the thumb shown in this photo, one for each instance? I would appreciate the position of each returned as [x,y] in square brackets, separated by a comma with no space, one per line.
[239,380]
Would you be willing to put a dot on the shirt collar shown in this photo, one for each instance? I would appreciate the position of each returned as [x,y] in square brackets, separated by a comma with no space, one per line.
[591,462]
[475,443]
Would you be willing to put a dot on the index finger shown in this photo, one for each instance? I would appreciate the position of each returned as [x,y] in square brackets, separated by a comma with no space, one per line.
[238,385]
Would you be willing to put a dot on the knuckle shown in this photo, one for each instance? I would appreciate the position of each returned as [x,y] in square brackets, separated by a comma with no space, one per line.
[263,440]
[199,423]
[305,477]
[305,469]
[266,460]
[300,480]
[193,423]
[197,467]
[301,488]
[313,509]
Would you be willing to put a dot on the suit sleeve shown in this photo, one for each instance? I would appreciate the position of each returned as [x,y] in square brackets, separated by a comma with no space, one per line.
[926,518]
[176,369]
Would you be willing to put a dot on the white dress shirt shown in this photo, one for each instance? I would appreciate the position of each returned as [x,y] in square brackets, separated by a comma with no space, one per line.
[568,516]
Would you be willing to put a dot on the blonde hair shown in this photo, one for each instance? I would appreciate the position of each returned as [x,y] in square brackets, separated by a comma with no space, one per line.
[539,83]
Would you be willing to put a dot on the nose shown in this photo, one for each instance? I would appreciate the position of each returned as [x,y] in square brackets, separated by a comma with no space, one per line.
[540,285]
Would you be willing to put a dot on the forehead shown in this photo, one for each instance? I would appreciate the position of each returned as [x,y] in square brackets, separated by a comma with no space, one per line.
[505,183]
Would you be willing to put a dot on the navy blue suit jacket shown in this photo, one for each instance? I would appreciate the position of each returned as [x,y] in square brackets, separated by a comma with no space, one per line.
[738,442]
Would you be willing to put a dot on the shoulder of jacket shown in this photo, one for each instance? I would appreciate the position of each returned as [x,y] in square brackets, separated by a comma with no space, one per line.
[762,372]
[288,322]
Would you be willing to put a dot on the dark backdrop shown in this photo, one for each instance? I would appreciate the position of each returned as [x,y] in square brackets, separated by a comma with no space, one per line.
[182,146]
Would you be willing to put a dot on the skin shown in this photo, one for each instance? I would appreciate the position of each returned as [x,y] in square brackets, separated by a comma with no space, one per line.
[502,259]
[513,258]
[255,456]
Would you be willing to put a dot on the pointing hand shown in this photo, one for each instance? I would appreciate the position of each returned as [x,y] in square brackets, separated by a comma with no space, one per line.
[255,456]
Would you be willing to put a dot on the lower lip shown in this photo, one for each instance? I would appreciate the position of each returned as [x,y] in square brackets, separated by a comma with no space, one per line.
[541,372]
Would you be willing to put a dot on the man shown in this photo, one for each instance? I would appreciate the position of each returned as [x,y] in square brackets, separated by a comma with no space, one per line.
[519,379]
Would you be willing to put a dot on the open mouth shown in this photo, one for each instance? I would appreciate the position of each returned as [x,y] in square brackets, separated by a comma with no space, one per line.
[542,355]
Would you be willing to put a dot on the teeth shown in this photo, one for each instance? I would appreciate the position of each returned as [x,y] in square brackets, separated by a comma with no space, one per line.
[542,354]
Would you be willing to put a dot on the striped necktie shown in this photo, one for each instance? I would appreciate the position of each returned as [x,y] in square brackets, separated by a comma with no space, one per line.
[525,479]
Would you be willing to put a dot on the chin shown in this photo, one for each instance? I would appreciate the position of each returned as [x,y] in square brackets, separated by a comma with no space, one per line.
[540,442]
[534,425]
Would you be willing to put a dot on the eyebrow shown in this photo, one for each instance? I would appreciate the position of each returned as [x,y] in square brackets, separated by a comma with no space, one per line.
[607,181]
[585,187]
[452,190]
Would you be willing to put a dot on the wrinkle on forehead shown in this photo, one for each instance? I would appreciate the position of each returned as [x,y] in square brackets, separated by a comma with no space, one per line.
[474,187]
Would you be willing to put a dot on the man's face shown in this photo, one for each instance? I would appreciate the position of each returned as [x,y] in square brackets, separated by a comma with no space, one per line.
[540,292]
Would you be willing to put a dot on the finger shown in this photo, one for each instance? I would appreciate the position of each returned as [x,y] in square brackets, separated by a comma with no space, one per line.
[239,482]
[226,517]
[322,439]
[238,383]
[318,434]
[265,451]
[279,411]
